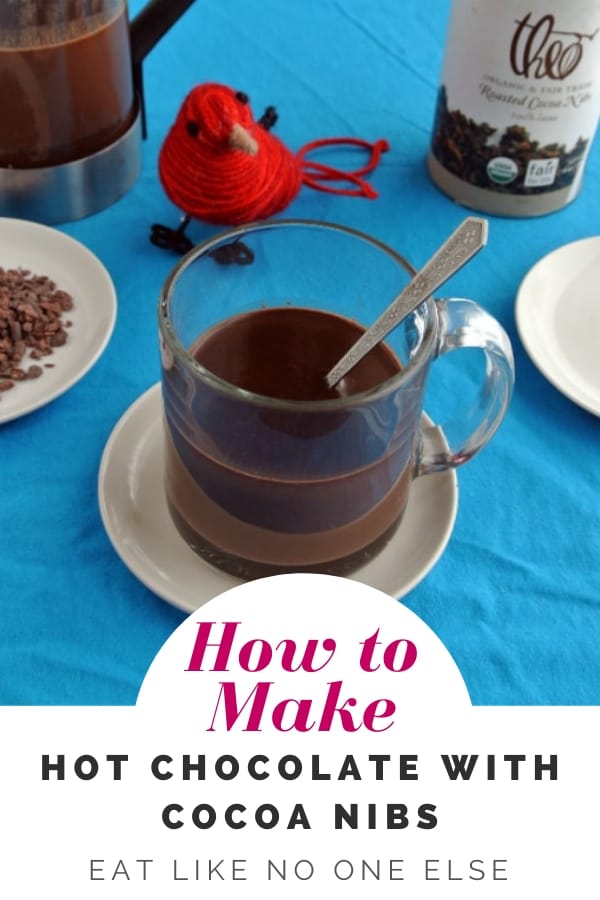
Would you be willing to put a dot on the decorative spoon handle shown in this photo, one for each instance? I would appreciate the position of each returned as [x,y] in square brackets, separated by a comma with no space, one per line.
[457,250]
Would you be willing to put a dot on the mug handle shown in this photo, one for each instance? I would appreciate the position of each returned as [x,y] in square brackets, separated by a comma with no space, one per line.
[463,323]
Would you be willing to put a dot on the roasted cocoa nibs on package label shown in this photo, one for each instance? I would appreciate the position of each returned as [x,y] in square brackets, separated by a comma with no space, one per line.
[466,148]
[31,324]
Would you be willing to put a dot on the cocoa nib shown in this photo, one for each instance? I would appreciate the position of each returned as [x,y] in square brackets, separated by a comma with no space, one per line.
[31,309]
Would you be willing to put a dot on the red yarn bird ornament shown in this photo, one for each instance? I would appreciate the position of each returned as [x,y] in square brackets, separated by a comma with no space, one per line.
[217,164]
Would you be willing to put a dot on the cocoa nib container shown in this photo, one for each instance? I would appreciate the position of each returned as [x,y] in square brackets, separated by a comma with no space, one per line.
[518,104]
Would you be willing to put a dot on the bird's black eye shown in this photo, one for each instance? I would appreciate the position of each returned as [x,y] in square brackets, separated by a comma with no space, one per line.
[192,128]
[242,97]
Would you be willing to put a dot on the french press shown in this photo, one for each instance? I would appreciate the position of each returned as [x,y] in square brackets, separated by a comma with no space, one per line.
[72,102]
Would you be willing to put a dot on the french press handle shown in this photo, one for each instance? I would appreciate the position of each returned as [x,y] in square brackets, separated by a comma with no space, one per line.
[145,31]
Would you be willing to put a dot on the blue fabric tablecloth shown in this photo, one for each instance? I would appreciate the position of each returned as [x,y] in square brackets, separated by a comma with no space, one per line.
[516,594]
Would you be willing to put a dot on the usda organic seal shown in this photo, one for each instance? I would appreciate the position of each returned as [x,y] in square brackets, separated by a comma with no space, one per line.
[502,170]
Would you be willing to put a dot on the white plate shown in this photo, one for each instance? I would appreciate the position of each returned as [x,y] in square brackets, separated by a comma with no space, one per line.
[75,269]
[137,521]
[558,319]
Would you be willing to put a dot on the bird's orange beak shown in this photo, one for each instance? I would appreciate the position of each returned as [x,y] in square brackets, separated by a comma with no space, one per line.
[241,139]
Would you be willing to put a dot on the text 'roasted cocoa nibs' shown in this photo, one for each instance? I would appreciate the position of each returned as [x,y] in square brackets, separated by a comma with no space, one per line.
[31,310]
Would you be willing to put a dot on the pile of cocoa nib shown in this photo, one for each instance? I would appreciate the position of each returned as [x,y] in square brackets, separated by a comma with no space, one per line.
[31,326]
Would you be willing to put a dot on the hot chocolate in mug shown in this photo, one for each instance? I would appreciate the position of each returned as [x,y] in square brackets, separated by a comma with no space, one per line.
[268,470]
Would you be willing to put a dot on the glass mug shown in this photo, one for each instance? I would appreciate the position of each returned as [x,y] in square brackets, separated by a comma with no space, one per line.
[266,469]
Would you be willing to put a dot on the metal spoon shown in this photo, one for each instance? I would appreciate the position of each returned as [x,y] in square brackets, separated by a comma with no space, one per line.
[457,250]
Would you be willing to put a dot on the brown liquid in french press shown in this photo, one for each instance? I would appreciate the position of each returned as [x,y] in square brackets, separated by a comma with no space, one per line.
[66,90]
[72,102]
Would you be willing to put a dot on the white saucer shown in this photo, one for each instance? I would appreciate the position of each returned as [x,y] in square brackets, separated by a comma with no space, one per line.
[136,519]
[558,319]
[75,269]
